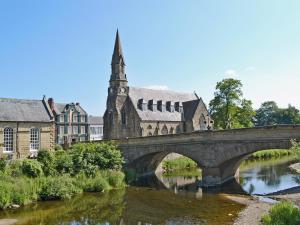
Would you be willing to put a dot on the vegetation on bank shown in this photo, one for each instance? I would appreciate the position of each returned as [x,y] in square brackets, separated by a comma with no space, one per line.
[272,153]
[61,174]
[182,166]
[281,214]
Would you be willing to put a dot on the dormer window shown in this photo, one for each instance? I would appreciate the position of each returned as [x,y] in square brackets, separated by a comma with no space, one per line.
[152,105]
[170,106]
[142,104]
[178,107]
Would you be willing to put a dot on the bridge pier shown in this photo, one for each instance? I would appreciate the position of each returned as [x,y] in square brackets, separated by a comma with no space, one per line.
[216,176]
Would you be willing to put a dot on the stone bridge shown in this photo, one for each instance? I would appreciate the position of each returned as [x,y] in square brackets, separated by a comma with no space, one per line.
[218,153]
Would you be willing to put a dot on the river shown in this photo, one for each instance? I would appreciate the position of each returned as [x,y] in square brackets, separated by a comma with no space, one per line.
[161,200]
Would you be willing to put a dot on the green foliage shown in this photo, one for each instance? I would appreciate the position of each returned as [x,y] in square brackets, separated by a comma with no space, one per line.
[272,153]
[3,163]
[295,148]
[58,188]
[178,164]
[270,114]
[228,108]
[58,148]
[85,167]
[90,157]
[47,160]
[32,168]
[63,162]
[282,213]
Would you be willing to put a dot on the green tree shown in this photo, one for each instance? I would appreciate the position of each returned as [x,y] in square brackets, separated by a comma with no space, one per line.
[270,114]
[228,108]
[267,114]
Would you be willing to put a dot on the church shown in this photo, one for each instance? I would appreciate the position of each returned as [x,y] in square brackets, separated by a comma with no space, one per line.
[136,112]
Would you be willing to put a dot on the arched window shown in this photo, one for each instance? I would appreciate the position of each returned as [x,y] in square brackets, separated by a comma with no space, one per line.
[171,130]
[123,117]
[149,127]
[8,139]
[202,122]
[178,130]
[156,131]
[149,134]
[164,130]
[34,139]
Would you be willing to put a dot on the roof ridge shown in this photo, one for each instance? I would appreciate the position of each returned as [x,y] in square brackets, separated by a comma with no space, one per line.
[162,90]
[21,99]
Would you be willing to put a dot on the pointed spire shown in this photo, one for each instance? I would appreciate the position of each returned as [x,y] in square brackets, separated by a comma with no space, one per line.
[118,54]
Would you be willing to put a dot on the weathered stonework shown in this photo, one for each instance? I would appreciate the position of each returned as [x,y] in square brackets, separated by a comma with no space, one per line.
[136,112]
[218,153]
[21,137]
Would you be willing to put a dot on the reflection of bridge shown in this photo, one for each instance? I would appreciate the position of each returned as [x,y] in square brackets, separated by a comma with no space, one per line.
[218,153]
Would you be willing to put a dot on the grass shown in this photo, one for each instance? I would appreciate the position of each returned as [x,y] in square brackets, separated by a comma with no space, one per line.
[272,153]
[283,213]
[23,190]
[178,164]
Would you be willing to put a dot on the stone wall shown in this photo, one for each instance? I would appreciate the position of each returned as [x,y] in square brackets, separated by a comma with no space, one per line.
[21,137]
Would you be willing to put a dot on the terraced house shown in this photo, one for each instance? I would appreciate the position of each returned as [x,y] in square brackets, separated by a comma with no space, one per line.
[71,122]
[26,126]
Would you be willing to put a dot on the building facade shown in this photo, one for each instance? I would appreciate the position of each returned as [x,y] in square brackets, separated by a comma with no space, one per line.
[26,126]
[96,128]
[134,112]
[71,122]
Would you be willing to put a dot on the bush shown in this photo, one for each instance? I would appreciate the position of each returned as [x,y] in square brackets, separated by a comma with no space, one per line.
[63,162]
[58,188]
[58,148]
[5,194]
[272,153]
[114,178]
[3,163]
[47,159]
[178,164]
[90,157]
[283,213]
[14,168]
[32,168]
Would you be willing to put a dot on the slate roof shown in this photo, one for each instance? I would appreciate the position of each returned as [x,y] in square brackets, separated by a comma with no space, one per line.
[95,120]
[189,108]
[60,108]
[165,95]
[21,110]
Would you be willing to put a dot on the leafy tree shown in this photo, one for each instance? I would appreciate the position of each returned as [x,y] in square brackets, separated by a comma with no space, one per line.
[270,114]
[47,160]
[228,108]
[266,114]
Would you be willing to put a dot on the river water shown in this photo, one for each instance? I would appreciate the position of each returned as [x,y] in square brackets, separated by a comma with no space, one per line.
[161,200]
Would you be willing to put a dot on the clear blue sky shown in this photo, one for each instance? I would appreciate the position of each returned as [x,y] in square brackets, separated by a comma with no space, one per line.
[63,48]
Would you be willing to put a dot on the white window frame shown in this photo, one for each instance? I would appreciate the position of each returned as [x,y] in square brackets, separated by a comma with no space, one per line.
[75,129]
[8,140]
[82,130]
[35,139]
[61,130]
[75,118]
[61,118]
[82,119]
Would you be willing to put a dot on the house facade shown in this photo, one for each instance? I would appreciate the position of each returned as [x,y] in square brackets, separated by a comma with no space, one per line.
[135,112]
[95,128]
[71,122]
[26,126]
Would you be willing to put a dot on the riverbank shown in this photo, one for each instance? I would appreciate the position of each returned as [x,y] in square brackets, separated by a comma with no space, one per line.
[253,212]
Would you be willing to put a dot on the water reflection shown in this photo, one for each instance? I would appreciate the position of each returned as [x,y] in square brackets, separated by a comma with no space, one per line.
[264,177]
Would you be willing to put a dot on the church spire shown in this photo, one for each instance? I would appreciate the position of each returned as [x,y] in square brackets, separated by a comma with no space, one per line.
[117,61]
[118,54]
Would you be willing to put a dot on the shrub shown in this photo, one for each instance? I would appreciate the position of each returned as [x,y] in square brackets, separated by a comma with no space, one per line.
[58,148]
[282,213]
[90,157]
[58,188]
[14,168]
[3,164]
[63,162]
[114,178]
[5,194]
[32,168]
[47,159]
[178,164]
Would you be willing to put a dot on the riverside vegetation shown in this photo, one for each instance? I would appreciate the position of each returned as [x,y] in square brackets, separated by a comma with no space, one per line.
[61,174]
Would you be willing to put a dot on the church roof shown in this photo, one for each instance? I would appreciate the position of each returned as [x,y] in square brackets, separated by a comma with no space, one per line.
[146,94]
[189,108]
[21,110]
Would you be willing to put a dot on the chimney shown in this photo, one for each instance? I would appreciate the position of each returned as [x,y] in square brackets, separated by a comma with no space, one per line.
[51,104]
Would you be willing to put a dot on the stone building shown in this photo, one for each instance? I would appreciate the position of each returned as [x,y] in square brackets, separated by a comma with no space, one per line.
[134,112]
[71,122]
[26,126]
[96,128]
